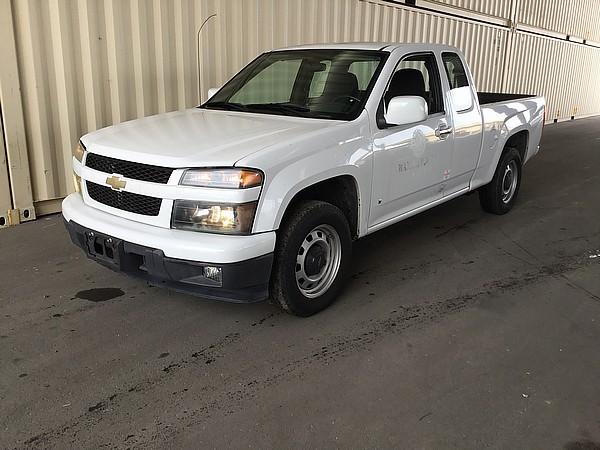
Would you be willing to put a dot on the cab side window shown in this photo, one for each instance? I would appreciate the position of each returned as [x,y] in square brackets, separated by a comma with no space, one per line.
[457,77]
[417,75]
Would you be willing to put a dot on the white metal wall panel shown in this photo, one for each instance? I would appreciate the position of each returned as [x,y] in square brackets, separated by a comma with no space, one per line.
[85,64]
[567,74]
[13,123]
[580,18]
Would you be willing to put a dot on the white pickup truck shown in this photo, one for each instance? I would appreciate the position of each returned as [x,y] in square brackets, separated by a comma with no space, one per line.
[259,192]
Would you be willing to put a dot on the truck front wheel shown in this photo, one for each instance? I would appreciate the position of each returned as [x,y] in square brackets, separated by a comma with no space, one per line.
[499,196]
[312,257]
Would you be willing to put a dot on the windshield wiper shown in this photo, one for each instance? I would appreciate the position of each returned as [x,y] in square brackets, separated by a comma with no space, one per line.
[228,106]
[288,108]
[285,108]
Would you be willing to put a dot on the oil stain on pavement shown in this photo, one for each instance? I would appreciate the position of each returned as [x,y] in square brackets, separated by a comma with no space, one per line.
[100,294]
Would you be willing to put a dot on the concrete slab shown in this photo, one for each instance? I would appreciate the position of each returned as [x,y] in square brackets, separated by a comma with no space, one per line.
[458,329]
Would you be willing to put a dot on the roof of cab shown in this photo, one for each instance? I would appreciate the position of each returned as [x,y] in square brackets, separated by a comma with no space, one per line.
[387,46]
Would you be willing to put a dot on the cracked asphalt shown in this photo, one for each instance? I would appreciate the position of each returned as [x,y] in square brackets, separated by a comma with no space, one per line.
[458,329]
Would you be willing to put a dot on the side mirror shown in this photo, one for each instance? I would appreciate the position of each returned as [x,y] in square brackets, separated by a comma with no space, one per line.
[211,92]
[406,109]
[461,98]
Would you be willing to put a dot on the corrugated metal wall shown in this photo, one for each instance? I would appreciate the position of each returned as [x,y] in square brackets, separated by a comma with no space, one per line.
[497,8]
[576,18]
[571,89]
[85,64]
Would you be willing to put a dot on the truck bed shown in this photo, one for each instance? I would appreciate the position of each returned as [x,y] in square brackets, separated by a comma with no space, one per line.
[486,98]
[507,114]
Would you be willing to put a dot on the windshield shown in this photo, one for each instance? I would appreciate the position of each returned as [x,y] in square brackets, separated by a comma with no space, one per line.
[324,84]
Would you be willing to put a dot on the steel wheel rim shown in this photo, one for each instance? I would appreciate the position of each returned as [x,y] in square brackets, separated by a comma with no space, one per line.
[322,249]
[509,181]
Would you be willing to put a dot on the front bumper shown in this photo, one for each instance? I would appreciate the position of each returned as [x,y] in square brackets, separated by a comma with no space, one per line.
[163,257]
[241,282]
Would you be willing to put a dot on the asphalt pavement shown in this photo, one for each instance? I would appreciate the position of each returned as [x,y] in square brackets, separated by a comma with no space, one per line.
[458,329]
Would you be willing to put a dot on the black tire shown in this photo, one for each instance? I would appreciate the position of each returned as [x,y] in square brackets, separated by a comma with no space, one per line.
[493,196]
[304,219]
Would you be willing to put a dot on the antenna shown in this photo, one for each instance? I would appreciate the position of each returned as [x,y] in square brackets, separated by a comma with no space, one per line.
[198,54]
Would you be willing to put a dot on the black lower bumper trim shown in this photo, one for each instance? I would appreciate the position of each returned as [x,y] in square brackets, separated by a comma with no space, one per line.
[242,282]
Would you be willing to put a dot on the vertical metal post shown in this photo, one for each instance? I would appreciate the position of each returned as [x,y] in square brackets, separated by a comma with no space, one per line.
[508,49]
[15,143]
[5,200]
[198,58]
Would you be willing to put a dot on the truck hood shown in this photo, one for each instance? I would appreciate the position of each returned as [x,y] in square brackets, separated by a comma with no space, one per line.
[197,137]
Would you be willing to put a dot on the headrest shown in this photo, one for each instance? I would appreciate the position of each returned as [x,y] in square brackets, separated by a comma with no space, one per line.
[341,83]
[406,82]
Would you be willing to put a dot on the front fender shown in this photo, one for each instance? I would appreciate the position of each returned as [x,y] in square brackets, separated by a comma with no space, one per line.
[289,182]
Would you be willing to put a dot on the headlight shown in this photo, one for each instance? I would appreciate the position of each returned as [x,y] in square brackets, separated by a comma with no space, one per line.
[78,152]
[222,178]
[201,216]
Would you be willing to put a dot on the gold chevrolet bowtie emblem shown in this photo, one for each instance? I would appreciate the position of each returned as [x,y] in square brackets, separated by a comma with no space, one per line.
[116,182]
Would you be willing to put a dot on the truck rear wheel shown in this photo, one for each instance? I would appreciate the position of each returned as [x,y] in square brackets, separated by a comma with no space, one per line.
[499,196]
[312,257]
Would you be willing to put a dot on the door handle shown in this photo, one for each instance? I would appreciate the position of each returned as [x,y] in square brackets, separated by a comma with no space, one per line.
[442,131]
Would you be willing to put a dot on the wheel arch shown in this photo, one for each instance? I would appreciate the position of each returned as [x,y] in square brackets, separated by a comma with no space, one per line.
[513,136]
[520,141]
[340,190]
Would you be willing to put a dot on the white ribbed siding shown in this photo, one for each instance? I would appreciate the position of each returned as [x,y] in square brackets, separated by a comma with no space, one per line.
[570,89]
[495,8]
[577,18]
[86,64]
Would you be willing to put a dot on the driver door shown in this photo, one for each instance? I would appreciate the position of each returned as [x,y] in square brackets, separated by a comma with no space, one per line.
[411,162]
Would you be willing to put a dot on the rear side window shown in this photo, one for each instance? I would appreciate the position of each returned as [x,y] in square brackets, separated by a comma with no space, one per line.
[457,77]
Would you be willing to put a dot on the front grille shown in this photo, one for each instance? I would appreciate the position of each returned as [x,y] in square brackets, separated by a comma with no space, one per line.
[127,201]
[137,171]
